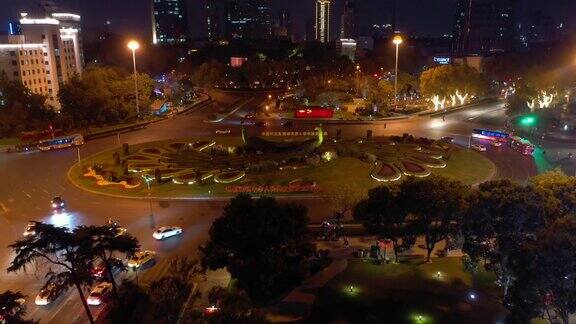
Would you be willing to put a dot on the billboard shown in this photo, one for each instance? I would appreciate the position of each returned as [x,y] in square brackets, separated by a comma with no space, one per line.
[314,112]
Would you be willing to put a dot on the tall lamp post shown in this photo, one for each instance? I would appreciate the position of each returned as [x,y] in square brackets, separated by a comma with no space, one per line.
[397,40]
[133,45]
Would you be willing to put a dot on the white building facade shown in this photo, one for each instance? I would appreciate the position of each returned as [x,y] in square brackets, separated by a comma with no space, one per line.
[47,53]
[323,21]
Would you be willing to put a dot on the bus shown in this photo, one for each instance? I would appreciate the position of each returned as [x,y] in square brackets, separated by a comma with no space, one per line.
[61,142]
[490,135]
[521,145]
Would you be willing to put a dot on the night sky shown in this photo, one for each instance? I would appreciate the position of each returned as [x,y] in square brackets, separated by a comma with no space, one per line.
[416,17]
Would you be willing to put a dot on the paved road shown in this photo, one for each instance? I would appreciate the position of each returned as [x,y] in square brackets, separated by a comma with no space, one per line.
[30,180]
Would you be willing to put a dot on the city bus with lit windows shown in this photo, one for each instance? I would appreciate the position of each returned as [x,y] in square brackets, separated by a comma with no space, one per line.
[61,142]
[521,145]
[490,135]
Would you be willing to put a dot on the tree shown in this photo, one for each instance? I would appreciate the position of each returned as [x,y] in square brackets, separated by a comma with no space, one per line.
[69,252]
[104,95]
[209,74]
[265,245]
[545,272]
[380,215]
[557,184]
[107,245]
[452,84]
[20,109]
[12,310]
[434,205]
[381,94]
[501,216]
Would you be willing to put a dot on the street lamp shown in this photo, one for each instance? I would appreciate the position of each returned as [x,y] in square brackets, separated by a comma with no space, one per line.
[133,45]
[397,40]
[148,179]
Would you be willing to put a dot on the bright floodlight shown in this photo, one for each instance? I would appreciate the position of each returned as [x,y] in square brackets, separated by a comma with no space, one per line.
[133,45]
[397,40]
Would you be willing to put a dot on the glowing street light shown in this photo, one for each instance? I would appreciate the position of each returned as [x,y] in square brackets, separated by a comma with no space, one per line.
[133,45]
[397,40]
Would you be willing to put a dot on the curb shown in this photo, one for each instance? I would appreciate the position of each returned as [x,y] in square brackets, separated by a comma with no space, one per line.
[456,109]
[346,122]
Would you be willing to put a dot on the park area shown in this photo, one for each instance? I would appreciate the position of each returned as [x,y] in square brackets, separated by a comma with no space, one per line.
[409,292]
[225,166]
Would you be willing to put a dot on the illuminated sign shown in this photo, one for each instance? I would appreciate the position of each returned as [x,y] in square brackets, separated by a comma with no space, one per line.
[237,62]
[442,60]
[314,112]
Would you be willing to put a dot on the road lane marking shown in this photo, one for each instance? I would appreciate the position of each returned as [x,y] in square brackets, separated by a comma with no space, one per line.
[46,191]
[3,207]
[27,194]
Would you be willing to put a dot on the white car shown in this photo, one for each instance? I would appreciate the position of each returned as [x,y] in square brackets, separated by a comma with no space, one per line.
[99,293]
[223,131]
[140,258]
[479,147]
[167,231]
[49,293]
[30,229]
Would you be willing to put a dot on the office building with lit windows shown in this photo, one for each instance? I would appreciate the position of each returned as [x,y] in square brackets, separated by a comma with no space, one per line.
[323,21]
[484,26]
[44,54]
[169,25]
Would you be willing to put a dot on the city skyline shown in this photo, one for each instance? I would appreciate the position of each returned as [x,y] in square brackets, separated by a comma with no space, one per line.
[132,17]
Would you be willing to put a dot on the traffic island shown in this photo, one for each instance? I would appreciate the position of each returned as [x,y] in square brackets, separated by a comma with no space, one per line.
[303,166]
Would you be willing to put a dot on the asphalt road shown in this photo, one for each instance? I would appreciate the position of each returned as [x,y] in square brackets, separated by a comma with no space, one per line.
[30,180]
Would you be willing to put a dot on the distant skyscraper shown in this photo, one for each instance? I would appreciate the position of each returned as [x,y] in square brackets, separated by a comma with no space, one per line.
[248,19]
[484,26]
[283,28]
[348,28]
[215,19]
[169,24]
[323,20]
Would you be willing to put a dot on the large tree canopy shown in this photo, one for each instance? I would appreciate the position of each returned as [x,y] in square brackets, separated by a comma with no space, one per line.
[264,244]
[104,95]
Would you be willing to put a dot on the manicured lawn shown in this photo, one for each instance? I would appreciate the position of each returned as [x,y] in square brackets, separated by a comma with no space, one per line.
[467,166]
[400,293]
[9,141]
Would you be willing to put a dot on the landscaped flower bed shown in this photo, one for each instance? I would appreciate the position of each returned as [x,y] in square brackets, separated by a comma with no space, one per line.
[385,172]
[428,161]
[100,181]
[151,150]
[229,176]
[412,169]
[138,158]
[302,185]
[190,177]
[177,146]
[202,145]
[142,167]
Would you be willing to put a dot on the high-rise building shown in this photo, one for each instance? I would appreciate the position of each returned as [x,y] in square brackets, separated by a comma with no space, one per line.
[248,19]
[323,21]
[348,20]
[169,25]
[47,53]
[484,26]
[283,26]
[215,18]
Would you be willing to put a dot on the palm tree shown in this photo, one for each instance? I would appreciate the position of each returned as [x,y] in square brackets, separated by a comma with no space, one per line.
[69,251]
[107,246]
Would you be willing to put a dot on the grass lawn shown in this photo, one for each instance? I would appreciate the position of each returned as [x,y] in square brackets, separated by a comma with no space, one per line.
[463,165]
[9,141]
[400,293]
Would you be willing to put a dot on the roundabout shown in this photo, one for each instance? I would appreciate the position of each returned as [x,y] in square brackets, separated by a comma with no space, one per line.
[205,167]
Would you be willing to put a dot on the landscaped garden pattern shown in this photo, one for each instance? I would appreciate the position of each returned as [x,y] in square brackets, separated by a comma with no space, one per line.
[256,165]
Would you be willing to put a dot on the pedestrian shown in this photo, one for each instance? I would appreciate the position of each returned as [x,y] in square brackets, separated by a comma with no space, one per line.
[384,125]
[346,243]
[443,117]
